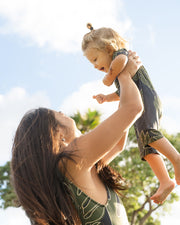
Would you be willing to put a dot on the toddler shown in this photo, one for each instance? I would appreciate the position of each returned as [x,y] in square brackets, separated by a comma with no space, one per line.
[107,51]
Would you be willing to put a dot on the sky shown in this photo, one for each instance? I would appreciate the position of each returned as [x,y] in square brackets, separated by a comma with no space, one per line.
[42,65]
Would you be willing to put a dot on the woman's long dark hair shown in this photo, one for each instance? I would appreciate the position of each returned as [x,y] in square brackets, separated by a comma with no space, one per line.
[34,168]
[38,183]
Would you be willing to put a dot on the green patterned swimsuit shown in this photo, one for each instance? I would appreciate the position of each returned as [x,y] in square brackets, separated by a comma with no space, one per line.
[146,127]
[93,213]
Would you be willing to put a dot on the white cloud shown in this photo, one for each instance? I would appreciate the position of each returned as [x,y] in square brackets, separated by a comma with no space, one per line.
[13,216]
[82,100]
[13,105]
[59,24]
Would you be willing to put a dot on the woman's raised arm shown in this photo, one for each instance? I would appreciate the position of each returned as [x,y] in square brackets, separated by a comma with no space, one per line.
[94,145]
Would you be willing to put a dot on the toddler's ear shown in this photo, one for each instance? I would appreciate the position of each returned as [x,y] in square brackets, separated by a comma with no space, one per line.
[111,46]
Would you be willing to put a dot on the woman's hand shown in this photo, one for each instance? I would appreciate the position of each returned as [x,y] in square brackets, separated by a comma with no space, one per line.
[133,64]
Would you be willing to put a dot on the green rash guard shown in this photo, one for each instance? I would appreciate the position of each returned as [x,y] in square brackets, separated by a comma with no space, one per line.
[93,213]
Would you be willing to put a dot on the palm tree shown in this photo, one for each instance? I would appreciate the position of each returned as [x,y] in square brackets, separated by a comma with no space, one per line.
[88,121]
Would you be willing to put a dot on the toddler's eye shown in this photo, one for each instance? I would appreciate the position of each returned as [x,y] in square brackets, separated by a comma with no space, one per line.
[95,59]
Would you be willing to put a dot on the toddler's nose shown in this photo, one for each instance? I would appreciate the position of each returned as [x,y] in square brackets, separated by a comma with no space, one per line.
[95,66]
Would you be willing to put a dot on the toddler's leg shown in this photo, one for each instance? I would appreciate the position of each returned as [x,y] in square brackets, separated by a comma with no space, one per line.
[166,184]
[165,147]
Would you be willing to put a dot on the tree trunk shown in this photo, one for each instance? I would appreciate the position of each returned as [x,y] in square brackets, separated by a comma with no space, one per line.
[134,216]
[144,218]
[135,213]
[147,215]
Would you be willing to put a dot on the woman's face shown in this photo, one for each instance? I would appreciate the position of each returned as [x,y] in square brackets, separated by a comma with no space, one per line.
[70,130]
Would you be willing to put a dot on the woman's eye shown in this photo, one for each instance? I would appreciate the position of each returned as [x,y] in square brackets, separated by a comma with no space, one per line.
[95,59]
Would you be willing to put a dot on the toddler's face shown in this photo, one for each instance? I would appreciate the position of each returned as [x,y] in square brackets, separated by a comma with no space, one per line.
[100,59]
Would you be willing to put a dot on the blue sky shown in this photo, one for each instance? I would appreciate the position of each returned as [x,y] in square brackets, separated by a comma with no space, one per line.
[41,63]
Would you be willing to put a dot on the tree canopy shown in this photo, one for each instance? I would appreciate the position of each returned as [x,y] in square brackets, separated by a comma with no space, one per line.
[7,195]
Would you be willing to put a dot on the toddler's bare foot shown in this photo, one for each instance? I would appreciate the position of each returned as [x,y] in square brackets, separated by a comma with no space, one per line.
[177,170]
[163,191]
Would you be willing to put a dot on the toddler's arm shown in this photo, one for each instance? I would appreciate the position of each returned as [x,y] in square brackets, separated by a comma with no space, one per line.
[106,98]
[116,67]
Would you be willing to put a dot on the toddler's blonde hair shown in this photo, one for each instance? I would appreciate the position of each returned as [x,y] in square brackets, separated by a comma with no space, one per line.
[105,39]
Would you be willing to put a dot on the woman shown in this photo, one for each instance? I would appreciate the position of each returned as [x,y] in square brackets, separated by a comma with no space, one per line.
[60,176]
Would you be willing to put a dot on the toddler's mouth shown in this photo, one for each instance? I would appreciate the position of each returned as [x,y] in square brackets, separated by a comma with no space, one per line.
[102,69]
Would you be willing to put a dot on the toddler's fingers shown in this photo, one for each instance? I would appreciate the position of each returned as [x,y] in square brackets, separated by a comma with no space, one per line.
[136,57]
[139,63]
[130,52]
[133,55]
[95,96]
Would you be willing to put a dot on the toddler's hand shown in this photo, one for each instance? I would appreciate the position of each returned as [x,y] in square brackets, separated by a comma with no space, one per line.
[100,98]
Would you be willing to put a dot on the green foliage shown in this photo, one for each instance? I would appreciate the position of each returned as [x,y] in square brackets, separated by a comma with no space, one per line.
[7,194]
[87,122]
